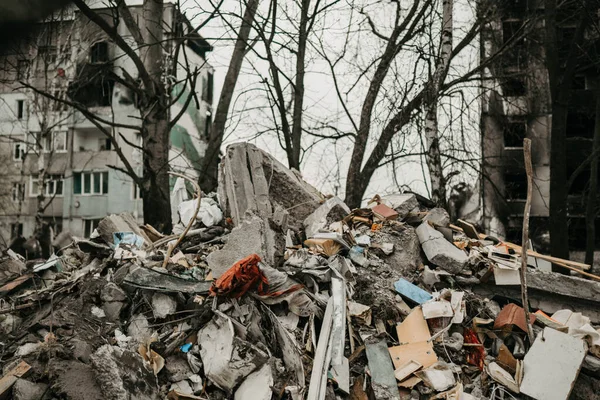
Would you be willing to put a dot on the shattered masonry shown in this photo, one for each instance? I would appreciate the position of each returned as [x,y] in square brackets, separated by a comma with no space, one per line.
[278,292]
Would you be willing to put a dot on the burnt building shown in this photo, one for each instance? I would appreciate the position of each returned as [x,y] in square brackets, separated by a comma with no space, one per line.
[516,104]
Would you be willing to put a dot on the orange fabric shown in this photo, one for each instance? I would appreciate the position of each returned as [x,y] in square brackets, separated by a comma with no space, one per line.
[240,278]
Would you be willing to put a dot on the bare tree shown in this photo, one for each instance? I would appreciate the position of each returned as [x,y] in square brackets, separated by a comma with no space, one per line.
[208,177]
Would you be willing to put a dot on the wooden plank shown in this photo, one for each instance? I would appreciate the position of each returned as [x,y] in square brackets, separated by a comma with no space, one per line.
[11,377]
[407,369]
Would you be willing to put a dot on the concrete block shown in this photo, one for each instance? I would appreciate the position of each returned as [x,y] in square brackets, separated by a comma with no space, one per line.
[163,305]
[112,292]
[439,251]
[252,180]
[438,217]
[552,365]
[26,390]
[402,203]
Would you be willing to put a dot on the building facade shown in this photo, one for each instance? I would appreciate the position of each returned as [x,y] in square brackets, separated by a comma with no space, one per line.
[56,162]
[516,104]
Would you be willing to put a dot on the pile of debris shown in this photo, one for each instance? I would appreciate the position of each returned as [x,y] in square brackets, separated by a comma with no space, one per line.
[276,292]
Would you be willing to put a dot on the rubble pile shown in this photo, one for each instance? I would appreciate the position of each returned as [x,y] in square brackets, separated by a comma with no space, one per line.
[277,292]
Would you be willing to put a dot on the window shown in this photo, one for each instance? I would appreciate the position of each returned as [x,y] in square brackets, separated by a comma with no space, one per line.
[22,69]
[16,230]
[207,88]
[514,87]
[20,109]
[58,105]
[104,144]
[48,55]
[55,224]
[18,192]
[511,30]
[89,225]
[18,151]
[135,192]
[210,88]
[516,185]
[90,183]
[514,133]
[207,125]
[53,186]
[99,52]
[53,141]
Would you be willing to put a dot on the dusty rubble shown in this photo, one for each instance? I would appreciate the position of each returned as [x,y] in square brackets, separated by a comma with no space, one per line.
[286,294]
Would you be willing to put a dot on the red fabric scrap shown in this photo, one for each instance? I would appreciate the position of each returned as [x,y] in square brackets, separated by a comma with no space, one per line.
[241,277]
[475,354]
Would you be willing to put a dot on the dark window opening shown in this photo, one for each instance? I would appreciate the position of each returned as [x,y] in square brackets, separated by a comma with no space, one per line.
[514,133]
[514,234]
[97,93]
[514,8]
[16,230]
[105,144]
[20,109]
[99,52]
[512,31]
[207,125]
[580,125]
[578,233]
[516,185]
[210,88]
[514,87]
[89,225]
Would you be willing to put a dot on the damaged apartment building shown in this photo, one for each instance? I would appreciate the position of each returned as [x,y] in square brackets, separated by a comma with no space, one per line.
[63,173]
[516,105]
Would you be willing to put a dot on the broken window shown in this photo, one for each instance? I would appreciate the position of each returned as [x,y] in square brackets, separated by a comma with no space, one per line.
[99,52]
[20,109]
[516,86]
[104,144]
[90,183]
[89,225]
[18,151]
[18,192]
[53,141]
[514,133]
[53,186]
[16,230]
[136,194]
[516,185]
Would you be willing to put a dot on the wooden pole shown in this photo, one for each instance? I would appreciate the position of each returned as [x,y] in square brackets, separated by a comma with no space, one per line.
[525,239]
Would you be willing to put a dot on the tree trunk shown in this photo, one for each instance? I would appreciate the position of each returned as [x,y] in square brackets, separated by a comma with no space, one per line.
[210,163]
[299,86]
[155,125]
[590,208]
[432,137]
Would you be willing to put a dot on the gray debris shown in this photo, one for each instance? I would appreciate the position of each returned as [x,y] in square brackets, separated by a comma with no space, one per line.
[403,204]
[177,368]
[123,374]
[139,328]
[406,256]
[26,390]
[439,251]
[163,305]
[334,209]
[253,235]
[112,310]
[455,341]
[252,180]
[112,292]
[438,217]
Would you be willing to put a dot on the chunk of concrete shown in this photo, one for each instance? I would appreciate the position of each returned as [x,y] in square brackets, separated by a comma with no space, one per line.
[112,292]
[406,256]
[253,236]
[333,210]
[74,380]
[439,251]
[177,368]
[252,180]
[438,217]
[227,359]
[139,329]
[403,204]
[163,305]
[552,365]
[123,374]
[257,386]
[112,310]
[27,390]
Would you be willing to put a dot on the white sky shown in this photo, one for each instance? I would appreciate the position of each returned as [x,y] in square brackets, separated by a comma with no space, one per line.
[325,165]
